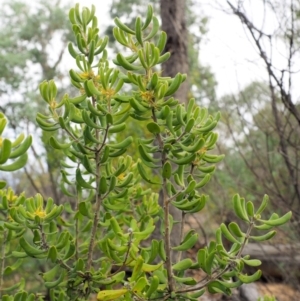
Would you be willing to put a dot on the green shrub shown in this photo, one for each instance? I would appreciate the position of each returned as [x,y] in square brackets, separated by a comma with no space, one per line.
[97,243]
[13,155]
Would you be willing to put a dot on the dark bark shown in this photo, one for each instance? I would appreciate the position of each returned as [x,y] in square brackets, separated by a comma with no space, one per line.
[174,24]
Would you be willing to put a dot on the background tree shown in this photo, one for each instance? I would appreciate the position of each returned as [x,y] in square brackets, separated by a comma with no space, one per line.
[282,99]
[29,54]
[261,121]
[173,16]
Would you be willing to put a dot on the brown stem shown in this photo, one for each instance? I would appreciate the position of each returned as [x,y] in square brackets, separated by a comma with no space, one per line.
[167,234]
[97,209]
[32,181]
[220,273]
[205,283]
[202,229]
[77,140]
[181,233]
[246,239]
[182,223]
[166,208]
[126,256]
[63,264]
[98,196]
[45,245]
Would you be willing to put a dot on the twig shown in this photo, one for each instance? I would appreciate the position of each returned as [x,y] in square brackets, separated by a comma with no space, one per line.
[182,223]
[285,96]
[166,205]
[32,181]
[220,273]
[45,245]
[126,255]
[99,199]
[97,209]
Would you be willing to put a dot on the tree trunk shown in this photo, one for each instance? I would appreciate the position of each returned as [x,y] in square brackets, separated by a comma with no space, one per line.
[174,24]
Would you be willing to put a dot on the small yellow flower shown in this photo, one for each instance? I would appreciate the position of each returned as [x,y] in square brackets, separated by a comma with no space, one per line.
[53,104]
[121,176]
[40,212]
[147,96]
[109,92]
[11,197]
[202,150]
[9,218]
[87,75]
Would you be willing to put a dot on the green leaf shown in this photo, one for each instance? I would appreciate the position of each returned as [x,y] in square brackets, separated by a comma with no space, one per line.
[167,170]
[9,269]
[55,144]
[279,221]
[216,286]
[264,237]
[52,254]
[185,280]
[249,278]
[188,242]
[107,295]
[83,209]
[140,285]
[153,128]
[183,264]
[2,184]
[18,164]
[252,262]
[235,229]
[5,150]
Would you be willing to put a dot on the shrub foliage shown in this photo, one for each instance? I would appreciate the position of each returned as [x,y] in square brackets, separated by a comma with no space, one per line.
[100,242]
